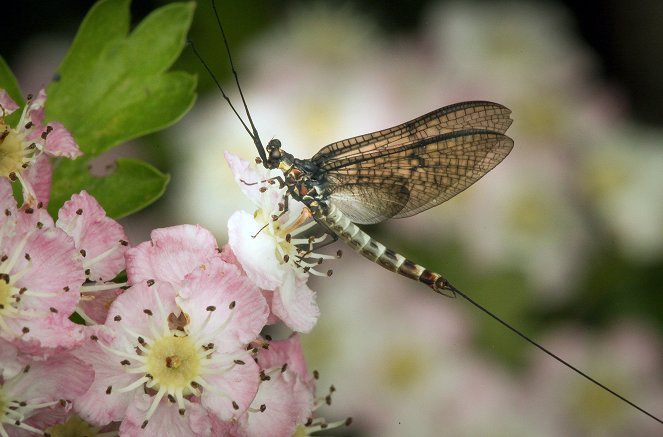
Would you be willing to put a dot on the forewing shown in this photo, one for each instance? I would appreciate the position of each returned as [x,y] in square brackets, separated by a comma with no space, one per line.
[416,176]
[479,115]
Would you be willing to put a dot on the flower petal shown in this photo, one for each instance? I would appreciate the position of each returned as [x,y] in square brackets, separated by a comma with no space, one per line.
[95,234]
[60,142]
[39,175]
[239,384]
[171,254]
[221,286]
[294,303]
[257,256]
[6,104]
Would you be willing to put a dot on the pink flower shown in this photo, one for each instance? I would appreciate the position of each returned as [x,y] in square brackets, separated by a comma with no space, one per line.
[101,244]
[37,394]
[268,247]
[285,399]
[22,146]
[174,345]
[40,279]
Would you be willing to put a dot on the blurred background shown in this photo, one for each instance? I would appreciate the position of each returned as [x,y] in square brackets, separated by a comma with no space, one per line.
[564,239]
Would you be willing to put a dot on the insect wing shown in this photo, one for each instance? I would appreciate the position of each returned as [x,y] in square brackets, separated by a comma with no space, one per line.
[478,115]
[406,180]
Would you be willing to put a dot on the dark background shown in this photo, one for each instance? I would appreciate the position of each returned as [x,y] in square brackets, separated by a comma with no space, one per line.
[627,36]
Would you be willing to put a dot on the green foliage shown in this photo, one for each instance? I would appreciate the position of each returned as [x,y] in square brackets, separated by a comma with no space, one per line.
[112,86]
[9,83]
[130,185]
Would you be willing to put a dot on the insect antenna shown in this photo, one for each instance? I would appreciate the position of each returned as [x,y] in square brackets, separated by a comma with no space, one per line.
[253,132]
[550,353]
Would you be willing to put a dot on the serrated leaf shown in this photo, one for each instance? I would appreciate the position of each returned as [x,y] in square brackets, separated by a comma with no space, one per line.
[113,86]
[131,186]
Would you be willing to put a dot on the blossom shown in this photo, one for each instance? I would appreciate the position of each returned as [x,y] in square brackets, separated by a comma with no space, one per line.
[29,142]
[40,278]
[269,247]
[36,394]
[174,348]
[285,398]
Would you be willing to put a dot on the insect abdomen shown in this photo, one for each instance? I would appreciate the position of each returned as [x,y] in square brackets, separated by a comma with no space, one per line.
[380,254]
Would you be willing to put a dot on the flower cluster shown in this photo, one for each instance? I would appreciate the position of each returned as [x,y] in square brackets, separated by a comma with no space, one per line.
[177,348]
[24,150]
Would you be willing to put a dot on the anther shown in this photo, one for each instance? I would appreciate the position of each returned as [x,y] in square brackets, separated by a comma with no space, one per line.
[235,406]
[232,305]
[147,311]
[117,318]
[211,308]
[150,282]
[79,211]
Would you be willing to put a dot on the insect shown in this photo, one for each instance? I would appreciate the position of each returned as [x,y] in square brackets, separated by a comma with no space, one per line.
[394,173]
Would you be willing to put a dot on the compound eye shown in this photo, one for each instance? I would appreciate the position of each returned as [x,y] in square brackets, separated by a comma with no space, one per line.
[275,154]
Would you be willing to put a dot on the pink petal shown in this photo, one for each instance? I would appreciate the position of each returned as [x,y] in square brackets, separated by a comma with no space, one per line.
[166,420]
[7,201]
[6,103]
[85,221]
[97,304]
[288,351]
[96,405]
[294,303]
[288,403]
[257,256]
[171,254]
[54,267]
[46,336]
[35,114]
[39,176]
[60,142]
[246,171]
[221,286]
[240,384]
[131,308]
[62,376]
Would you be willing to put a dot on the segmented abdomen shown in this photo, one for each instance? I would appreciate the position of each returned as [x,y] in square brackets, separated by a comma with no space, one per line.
[379,253]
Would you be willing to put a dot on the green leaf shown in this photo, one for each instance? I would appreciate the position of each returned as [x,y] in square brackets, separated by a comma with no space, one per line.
[113,86]
[9,83]
[129,188]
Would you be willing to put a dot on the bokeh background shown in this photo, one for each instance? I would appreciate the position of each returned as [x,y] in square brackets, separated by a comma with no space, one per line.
[564,239]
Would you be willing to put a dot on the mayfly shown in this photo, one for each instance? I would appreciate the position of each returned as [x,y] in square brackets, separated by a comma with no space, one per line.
[394,173]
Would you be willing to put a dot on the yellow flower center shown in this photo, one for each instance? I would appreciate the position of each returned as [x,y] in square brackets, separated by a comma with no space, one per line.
[174,362]
[11,150]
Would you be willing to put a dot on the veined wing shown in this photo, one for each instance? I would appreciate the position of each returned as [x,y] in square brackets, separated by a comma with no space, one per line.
[406,180]
[478,115]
